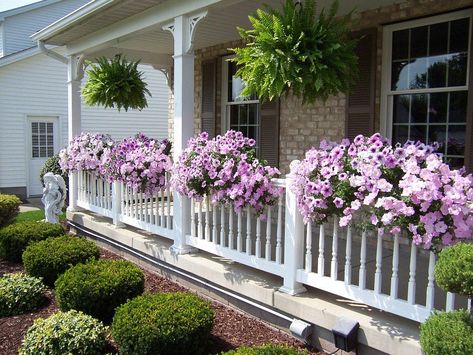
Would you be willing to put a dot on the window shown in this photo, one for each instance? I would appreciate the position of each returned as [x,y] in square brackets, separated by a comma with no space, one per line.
[241,113]
[427,87]
[42,139]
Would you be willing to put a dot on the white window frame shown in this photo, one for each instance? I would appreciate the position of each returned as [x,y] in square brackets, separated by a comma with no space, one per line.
[225,119]
[386,102]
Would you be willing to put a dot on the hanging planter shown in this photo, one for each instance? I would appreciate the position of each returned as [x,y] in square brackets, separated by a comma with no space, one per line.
[294,50]
[115,83]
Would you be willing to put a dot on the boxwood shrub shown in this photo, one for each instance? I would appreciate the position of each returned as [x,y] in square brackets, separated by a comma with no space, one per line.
[51,257]
[268,349]
[9,208]
[16,237]
[447,333]
[98,287]
[70,332]
[163,323]
[20,293]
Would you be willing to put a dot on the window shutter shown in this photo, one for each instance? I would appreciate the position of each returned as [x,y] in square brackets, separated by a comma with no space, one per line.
[208,97]
[360,103]
[269,137]
[469,117]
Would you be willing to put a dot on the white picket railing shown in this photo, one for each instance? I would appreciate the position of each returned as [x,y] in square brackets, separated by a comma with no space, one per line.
[386,272]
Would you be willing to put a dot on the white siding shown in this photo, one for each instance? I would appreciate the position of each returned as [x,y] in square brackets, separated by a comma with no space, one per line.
[19,28]
[37,86]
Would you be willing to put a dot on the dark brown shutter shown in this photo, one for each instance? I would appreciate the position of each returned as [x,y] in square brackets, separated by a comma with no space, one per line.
[269,137]
[208,96]
[360,104]
[469,117]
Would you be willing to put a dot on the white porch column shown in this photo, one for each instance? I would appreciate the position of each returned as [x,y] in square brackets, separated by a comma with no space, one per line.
[182,29]
[74,76]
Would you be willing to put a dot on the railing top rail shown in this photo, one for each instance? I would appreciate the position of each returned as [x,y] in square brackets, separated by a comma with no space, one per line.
[279,182]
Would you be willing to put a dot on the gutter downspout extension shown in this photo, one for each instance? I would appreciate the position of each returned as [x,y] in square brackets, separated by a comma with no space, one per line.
[51,53]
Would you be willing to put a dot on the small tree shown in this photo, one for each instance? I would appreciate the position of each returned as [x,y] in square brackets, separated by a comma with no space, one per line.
[454,271]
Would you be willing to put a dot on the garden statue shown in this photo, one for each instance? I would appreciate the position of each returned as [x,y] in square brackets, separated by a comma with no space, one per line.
[54,196]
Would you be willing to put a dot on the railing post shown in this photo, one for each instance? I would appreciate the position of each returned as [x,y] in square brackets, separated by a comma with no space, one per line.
[117,204]
[293,243]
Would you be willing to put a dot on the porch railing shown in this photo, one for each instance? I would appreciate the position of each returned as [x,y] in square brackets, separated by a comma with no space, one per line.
[386,272]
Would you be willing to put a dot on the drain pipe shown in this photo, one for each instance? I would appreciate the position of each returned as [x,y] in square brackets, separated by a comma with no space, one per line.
[51,53]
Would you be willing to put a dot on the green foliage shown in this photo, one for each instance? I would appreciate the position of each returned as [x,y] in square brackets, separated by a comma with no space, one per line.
[9,208]
[454,269]
[20,293]
[65,333]
[115,82]
[16,237]
[52,165]
[98,287]
[295,51]
[52,257]
[268,349]
[164,323]
[447,333]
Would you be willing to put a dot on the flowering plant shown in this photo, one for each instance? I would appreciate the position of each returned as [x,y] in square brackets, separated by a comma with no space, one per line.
[402,187]
[140,162]
[84,152]
[226,169]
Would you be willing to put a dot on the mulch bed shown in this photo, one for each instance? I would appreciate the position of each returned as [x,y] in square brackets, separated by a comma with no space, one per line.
[232,328]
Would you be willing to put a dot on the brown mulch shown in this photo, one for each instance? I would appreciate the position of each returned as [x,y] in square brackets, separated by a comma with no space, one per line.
[232,328]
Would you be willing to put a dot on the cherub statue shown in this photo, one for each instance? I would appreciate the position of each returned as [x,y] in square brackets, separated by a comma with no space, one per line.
[54,196]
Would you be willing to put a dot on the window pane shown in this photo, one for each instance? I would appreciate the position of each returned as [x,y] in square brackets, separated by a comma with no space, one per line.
[458,101]
[50,128]
[42,152]
[244,130]
[42,140]
[457,69]
[456,140]
[419,42]
[437,71]
[438,134]
[50,140]
[455,163]
[34,139]
[459,35]
[42,127]
[438,38]
[418,73]
[400,44]
[438,107]
[234,115]
[35,152]
[400,77]
[252,132]
[50,151]
[401,108]
[253,114]
[400,134]
[243,114]
[34,127]
[418,133]
[419,108]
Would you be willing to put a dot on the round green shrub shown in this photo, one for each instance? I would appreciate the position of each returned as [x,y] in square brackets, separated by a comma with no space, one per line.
[16,237]
[20,293]
[454,269]
[164,323]
[51,257]
[447,333]
[268,349]
[9,208]
[65,333]
[99,287]
[52,165]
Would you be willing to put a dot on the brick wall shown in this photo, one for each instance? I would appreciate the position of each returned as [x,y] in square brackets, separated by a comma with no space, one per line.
[302,127]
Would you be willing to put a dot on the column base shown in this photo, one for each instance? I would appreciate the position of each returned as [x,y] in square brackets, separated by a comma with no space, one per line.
[296,290]
[181,250]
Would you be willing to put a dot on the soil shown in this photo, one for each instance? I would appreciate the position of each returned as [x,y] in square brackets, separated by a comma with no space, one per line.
[232,328]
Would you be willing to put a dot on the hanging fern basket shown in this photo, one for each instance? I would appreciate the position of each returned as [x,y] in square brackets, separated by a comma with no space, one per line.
[295,51]
[115,83]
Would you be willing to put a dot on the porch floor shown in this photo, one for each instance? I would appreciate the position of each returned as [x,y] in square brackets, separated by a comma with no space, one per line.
[380,332]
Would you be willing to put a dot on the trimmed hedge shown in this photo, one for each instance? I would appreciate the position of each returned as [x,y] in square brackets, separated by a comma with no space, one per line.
[9,208]
[268,349]
[16,237]
[163,323]
[454,269]
[20,293]
[99,287]
[65,333]
[51,257]
[447,333]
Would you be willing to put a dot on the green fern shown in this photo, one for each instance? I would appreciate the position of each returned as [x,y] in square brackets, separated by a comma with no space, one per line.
[115,82]
[295,51]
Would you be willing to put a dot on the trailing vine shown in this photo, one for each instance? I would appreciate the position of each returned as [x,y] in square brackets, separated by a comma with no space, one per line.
[294,50]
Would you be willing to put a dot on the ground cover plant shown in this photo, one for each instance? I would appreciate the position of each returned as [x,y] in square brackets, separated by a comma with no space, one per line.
[98,287]
[20,293]
[268,349]
[51,257]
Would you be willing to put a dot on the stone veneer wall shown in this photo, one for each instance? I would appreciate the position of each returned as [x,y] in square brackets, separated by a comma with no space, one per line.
[302,127]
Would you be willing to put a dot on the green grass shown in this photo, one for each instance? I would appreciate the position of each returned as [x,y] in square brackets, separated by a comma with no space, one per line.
[34,216]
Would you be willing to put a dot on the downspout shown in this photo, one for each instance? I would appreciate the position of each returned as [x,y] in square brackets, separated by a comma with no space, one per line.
[51,53]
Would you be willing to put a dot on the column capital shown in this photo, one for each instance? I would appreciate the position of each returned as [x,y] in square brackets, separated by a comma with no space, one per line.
[183,30]
[75,68]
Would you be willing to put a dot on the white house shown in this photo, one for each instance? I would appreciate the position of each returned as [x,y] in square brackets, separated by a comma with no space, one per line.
[33,100]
